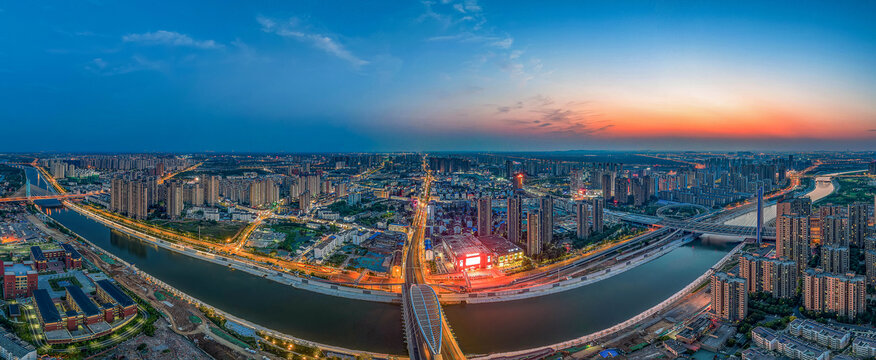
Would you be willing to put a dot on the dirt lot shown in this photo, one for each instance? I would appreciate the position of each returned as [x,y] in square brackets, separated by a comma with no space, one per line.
[165,345]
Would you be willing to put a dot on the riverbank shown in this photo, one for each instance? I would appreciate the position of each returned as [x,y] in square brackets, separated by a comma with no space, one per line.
[197,302]
[280,277]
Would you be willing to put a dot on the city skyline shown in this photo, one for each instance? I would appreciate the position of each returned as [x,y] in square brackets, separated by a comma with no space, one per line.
[447,75]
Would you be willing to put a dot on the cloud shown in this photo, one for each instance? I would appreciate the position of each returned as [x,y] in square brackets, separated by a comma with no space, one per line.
[323,42]
[170,38]
[542,115]
[100,66]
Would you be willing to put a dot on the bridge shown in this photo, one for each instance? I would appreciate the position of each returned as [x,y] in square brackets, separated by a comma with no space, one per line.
[427,332]
[27,192]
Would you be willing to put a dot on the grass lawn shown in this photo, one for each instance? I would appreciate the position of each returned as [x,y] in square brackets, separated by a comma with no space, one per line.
[336,259]
[57,287]
[851,190]
[210,230]
[15,178]
[230,338]
[296,234]
[195,320]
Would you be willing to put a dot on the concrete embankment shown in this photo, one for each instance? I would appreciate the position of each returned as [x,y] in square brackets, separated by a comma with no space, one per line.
[563,285]
[283,278]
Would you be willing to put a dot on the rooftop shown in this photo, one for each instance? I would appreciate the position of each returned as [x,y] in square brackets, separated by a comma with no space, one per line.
[46,306]
[117,294]
[82,301]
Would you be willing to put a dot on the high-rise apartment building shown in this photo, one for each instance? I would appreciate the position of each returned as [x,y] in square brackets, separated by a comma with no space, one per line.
[596,208]
[485,216]
[546,219]
[775,276]
[870,259]
[842,294]
[130,197]
[793,238]
[533,234]
[211,190]
[175,199]
[582,219]
[729,297]
[514,219]
[835,259]
[858,217]
[834,229]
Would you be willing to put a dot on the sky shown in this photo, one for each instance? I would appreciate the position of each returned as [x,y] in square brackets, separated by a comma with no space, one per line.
[473,75]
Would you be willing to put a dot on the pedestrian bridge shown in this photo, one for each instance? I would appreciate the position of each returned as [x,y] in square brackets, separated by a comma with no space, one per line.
[427,313]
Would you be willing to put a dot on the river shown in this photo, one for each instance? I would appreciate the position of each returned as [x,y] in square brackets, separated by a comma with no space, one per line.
[372,326]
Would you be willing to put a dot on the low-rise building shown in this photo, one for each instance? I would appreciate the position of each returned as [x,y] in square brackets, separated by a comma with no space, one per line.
[796,348]
[765,338]
[13,348]
[864,346]
[758,354]
[327,246]
[19,280]
[504,252]
[820,333]
[466,252]
[116,300]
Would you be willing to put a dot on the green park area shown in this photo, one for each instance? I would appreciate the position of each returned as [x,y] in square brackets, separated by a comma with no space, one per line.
[57,286]
[851,190]
[297,234]
[209,230]
[11,179]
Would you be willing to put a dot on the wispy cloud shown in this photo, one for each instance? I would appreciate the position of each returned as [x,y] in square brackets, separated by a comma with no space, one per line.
[170,38]
[100,66]
[542,115]
[324,42]
[463,21]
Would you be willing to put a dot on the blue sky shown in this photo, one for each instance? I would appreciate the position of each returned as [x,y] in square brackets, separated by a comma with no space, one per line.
[437,75]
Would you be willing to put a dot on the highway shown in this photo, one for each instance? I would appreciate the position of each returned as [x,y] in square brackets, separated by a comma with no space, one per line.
[413,255]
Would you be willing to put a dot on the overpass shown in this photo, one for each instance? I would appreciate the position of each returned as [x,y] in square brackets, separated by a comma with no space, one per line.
[700,224]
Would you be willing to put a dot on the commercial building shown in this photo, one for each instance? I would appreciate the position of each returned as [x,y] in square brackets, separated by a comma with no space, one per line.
[466,252]
[843,294]
[19,280]
[485,216]
[504,252]
[729,297]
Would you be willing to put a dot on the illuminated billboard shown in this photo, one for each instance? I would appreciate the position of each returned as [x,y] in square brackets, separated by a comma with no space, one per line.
[473,260]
